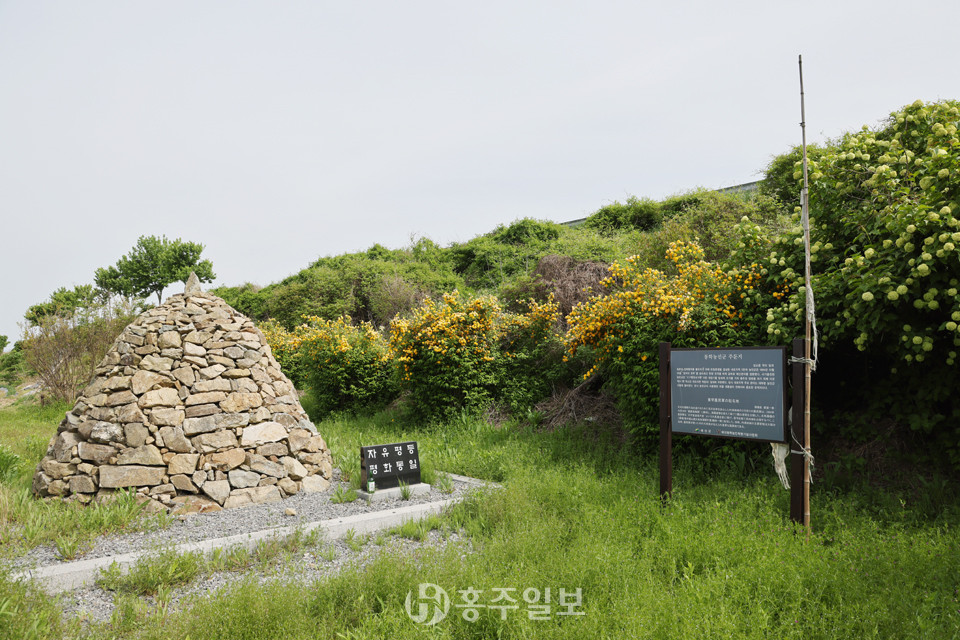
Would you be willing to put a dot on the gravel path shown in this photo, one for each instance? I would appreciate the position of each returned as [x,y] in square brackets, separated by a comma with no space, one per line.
[96,604]
[204,526]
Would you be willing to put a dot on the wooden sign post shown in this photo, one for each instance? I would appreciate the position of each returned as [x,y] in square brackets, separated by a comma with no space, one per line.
[732,392]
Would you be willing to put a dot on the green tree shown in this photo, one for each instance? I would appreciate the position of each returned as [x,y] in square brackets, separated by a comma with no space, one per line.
[153,264]
[65,303]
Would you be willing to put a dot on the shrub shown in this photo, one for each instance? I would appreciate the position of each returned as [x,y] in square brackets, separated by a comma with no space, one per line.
[64,351]
[347,367]
[284,345]
[885,233]
[444,351]
[462,353]
[701,306]
[634,214]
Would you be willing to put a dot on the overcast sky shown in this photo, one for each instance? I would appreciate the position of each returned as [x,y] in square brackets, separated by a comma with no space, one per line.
[278,132]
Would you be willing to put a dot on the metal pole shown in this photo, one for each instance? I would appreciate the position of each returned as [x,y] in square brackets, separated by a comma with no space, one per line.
[808,364]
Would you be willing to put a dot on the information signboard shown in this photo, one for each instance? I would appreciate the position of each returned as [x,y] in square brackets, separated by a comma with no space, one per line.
[390,464]
[730,393]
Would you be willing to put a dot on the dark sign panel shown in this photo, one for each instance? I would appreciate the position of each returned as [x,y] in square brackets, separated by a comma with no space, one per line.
[731,393]
[390,464]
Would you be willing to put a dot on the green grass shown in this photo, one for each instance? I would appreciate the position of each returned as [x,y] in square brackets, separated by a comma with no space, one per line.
[155,573]
[720,560]
[25,522]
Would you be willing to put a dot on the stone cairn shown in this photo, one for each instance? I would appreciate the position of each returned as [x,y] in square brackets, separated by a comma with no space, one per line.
[190,408]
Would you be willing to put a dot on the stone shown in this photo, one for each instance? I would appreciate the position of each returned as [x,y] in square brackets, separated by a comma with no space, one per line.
[104,432]
[311,458]
[120,398]
[153,507]
[63,445]
[169,339]
[185,376]
[314,484]
[261,433]
[192,285]
[185,505]
[218,490]
[210,442]
[288,486]
[237,402]
[165,397]
[174,439]
[183,483]
[240,479]
[231,420]
[205,398]
[294,469]
[197,337]
[96,453]
[226,460]
[217,384]
[298,439]
[115,477]
[147,455]
[200,410]
[290,422]
[58,488]
[260,415]
[234,353]
[57,470]
[135,434]
[161,489]
[153,362]
[143,381]
[168,407]
[183,463]
[273,449]
[194,426]
[289,511]
[82,484]
[245,385]
[130,413]
[213,371]
[265,467]
[191,349]
[167,417]
[253,495]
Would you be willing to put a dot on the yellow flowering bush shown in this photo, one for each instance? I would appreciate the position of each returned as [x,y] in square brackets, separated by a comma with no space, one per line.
[460,353]
[702,305]
[342,365]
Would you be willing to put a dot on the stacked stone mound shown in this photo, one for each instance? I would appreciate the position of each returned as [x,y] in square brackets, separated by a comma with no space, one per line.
[189,406]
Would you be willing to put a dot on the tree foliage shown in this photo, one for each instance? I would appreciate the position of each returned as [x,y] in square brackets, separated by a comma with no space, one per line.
[151,265]
[66,303]
[885,233]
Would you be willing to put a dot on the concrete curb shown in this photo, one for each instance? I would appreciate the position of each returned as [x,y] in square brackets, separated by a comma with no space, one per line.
[74,575]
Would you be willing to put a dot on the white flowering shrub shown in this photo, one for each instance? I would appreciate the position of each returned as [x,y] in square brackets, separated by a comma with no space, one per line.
[885,243]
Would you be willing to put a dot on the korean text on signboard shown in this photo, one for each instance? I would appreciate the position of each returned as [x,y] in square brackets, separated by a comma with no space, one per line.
[390,464]
[732,393]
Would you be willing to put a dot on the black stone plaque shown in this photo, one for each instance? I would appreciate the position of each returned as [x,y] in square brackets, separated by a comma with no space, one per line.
[390,464]
[731,393]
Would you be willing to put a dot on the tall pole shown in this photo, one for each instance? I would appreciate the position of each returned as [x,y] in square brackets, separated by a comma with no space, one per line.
[808,311]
